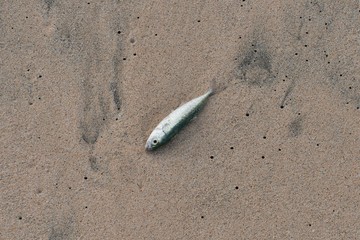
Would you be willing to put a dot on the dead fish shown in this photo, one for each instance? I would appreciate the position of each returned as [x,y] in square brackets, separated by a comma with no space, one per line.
[176,120]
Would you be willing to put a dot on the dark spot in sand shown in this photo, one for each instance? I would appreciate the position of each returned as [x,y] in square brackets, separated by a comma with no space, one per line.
[94,116]
[95,109]
[93,163]
[90,132]
[63,39]
[49,4]
[117,68]
[296,127]
[57,235]
[255,68]
[62,230]
[116,96]
[289,90]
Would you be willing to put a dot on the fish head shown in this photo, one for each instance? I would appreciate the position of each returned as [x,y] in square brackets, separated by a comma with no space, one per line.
[155,140]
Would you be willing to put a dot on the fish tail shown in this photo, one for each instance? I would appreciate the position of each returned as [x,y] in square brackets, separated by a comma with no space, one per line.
[212,89]
[216,88]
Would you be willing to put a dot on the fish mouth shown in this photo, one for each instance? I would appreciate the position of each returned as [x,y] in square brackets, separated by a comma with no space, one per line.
[148,147]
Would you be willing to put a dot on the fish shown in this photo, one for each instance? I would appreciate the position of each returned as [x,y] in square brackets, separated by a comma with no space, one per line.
[176,121]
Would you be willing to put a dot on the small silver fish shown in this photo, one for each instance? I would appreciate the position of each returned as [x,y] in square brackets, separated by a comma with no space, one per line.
[175,121]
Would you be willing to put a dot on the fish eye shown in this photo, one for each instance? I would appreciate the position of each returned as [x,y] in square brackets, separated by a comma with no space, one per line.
[155,141]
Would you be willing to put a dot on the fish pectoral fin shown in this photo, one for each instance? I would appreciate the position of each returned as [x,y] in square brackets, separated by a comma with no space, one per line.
[166,128]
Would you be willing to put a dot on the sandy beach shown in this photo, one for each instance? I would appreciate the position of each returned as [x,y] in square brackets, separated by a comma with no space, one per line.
[273,155]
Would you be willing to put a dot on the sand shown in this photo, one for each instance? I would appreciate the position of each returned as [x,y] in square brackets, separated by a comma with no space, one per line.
[274,155]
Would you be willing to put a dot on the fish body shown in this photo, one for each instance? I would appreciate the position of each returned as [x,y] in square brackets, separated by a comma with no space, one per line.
[175,121]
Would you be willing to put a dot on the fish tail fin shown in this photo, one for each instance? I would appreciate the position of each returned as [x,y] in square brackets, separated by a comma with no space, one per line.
[212,88]
[215,88]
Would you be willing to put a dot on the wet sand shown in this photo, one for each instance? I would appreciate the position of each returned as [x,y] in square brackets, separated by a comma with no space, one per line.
[274,155]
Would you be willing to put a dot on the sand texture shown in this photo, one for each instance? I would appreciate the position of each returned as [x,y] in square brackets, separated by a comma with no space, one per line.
[275,154]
